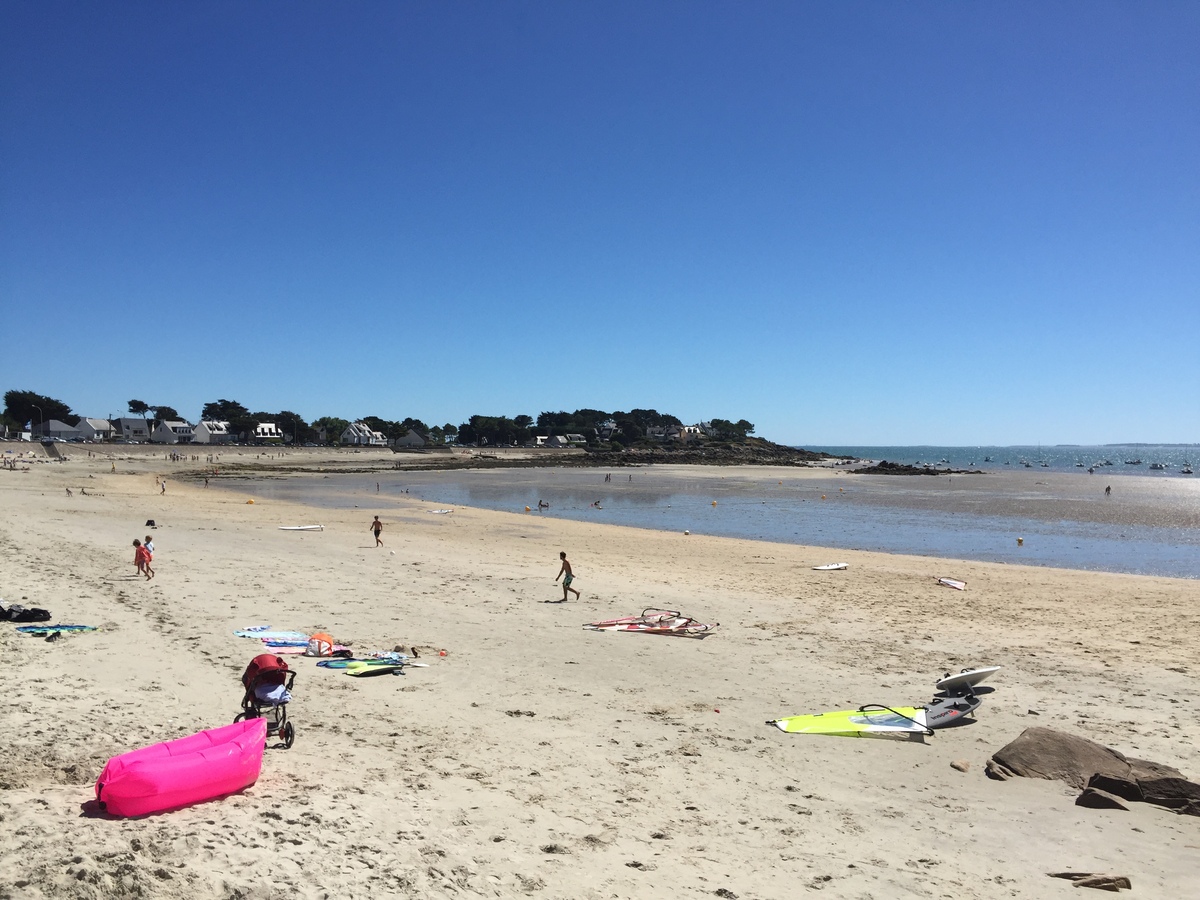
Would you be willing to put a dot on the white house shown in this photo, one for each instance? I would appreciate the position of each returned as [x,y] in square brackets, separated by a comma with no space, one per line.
[130,429]
[267,431]
[360,434]
[562,440]
[412,439]
[95,429]
[210,431]
[178,432]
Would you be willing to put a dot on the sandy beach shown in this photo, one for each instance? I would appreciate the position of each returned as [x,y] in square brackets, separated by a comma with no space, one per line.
[536,758]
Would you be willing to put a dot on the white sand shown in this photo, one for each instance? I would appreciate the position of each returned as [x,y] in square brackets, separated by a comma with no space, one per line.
[646,769]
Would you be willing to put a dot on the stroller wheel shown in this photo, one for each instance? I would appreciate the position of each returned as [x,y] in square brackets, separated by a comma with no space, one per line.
[241,716]
[288,733]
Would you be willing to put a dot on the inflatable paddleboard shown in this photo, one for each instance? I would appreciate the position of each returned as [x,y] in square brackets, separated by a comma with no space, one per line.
[870,722]
[965,679]
[831,567]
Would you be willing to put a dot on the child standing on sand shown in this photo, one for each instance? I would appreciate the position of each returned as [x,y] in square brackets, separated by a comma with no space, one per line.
[377,527]
[566,571]
[141,558]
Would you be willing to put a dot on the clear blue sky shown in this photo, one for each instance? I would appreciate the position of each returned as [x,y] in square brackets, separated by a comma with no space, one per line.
[850,223]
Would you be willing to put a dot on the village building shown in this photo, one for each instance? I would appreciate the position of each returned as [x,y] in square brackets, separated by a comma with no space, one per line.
[412,440]
[176,432]
[360,434]
[95,429]
[267,431]
[53,430]
[132,429]
[211,431]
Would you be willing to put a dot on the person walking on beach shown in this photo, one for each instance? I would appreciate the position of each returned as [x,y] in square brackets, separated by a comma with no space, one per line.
[377,527]
[567,576]
[1108,490]
[163,487]
[141,558]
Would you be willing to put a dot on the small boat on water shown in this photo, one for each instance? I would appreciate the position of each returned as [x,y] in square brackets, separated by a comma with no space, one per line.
[1133,462]
[1158,467]
[1186,470]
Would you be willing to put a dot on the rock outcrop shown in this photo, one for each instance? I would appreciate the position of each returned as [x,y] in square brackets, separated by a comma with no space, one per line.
[1105,776]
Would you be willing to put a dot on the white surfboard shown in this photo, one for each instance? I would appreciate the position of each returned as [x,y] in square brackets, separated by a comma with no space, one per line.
[831,567]
[301,527]
[966,678]
[954,583]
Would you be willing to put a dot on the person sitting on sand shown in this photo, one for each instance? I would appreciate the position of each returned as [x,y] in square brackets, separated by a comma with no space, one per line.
[566,570]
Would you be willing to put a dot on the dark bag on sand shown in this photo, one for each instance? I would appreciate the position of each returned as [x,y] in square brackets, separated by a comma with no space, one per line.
[18,613]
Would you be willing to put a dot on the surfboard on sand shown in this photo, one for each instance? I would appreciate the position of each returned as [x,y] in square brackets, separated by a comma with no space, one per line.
[871,721]
[42,630]
[301,527]
[954,583]
[967,678]
[831,567]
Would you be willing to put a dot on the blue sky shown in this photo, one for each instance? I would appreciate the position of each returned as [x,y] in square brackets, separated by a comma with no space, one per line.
[851,223]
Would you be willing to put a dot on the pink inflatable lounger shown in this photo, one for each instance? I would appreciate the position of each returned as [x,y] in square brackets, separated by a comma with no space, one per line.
[188,770]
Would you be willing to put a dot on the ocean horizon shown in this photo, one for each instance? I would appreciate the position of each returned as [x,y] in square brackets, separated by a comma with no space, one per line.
[1112,459]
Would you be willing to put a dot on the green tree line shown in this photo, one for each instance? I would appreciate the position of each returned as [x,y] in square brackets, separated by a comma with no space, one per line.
[28,408]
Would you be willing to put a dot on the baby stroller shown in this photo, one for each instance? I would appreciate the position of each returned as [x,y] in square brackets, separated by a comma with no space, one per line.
[268,683]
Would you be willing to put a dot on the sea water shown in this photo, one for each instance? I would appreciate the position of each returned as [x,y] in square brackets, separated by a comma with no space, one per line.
[1109,459]
[1147,524]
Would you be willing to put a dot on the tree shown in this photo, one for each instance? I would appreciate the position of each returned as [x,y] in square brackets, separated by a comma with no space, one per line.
[630,432]
[19,406]
[334,427]
[450,431]
[165,414]
[223,411]
[383,426]
[415,424]
[732,430]
[436,435]
[140,408]
[291,423]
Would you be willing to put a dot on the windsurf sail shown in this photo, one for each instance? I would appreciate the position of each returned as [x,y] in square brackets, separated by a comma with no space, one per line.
[647,617]
[867,721]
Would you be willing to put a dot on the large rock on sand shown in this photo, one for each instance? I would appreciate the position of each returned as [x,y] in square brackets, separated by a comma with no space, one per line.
[1100,770]
[1050,754]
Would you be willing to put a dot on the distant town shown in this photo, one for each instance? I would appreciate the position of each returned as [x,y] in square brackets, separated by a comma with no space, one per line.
[35,417]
